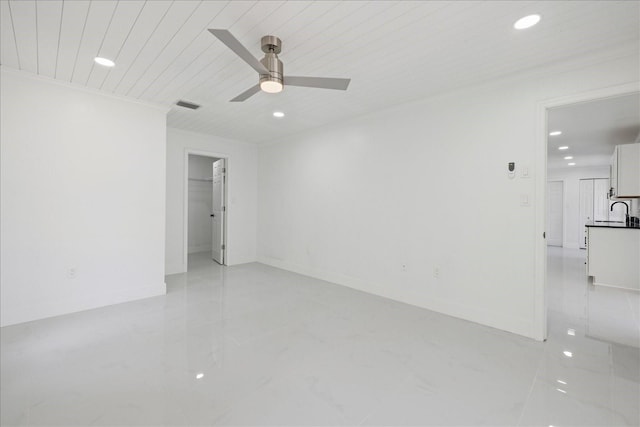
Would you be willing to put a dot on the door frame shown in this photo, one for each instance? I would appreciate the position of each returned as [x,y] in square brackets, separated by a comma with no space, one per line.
[185,202]
[540,251]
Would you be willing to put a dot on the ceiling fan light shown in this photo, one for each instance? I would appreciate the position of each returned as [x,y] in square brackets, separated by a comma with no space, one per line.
[271,86]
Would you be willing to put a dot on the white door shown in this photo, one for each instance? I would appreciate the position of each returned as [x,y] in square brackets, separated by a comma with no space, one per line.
[600,199]
[555,208]
[217,212]
[586,208]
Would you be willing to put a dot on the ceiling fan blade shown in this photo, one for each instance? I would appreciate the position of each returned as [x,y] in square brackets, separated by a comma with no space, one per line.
[318,82]
[247,94]
[232,43]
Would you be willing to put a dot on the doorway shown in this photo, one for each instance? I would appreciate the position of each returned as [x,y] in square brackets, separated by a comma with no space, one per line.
[205,209]
[563,159]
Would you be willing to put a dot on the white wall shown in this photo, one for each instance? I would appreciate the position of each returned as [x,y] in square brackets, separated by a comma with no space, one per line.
[82,188]
[242,195]
[572,230]
[380,202]
[201,167]
[200,203]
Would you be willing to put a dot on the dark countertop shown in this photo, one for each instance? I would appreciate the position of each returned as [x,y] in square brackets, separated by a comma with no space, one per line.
[611,225]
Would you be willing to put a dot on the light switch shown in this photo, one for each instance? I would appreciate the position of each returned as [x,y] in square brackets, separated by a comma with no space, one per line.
[525,171]
[524,200]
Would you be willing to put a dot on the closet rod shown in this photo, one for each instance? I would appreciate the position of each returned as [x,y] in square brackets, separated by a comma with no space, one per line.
[201,179]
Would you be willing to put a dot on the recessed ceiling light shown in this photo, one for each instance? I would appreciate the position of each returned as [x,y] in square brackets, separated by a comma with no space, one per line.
[561,390]
[571,164]
[526,22]
[278,114]
[104,61]
[564,147]
[571,332]
[568,158]
[567,353]
[562,382]
[200,375]
[555,133]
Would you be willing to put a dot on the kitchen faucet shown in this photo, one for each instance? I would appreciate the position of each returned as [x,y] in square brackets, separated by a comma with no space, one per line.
[627,213]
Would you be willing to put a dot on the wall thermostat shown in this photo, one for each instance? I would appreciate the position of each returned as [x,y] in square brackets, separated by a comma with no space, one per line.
[512,170]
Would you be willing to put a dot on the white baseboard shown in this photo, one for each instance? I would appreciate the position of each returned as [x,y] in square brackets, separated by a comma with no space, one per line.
[606,285]
[69,305]
[519,326]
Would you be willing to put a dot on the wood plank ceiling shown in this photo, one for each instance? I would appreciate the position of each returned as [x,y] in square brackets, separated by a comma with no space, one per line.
[394,51]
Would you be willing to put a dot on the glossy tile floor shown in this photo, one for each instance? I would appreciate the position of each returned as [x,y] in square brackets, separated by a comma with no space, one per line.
[254,345]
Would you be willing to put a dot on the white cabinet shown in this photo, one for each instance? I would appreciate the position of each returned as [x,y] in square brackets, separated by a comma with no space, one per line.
[625,171]
[612,256]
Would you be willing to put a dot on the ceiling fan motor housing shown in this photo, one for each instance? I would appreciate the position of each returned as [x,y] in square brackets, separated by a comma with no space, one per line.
[272,46]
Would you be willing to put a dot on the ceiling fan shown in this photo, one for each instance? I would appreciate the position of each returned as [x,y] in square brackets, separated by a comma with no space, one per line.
[270,68]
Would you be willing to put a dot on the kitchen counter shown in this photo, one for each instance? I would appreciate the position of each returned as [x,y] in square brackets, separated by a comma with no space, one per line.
[611,225]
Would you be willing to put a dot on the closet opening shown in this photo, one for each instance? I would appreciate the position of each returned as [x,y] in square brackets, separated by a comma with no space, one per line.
[205,214]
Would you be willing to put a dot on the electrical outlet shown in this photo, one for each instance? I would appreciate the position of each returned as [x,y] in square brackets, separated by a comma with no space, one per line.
[436,272]
[71,273]
[404,267]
